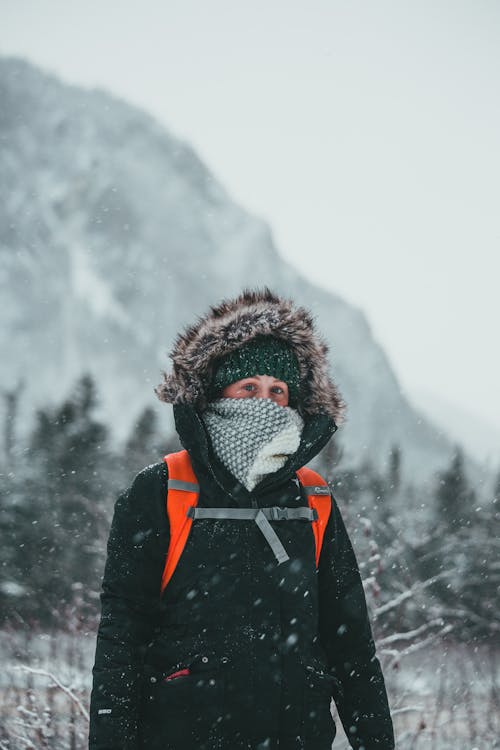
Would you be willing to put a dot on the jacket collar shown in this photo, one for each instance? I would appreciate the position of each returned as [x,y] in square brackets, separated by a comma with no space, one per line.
[318,429]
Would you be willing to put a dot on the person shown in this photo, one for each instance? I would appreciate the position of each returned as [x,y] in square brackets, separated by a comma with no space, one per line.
[256,629]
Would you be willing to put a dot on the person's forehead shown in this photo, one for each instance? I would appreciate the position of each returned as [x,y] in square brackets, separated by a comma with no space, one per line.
[256,377]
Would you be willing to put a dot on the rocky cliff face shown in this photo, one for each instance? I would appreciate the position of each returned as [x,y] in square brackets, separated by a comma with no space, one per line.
[113,234]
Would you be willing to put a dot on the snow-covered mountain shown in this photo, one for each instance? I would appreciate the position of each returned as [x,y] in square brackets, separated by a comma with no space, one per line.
[113,234]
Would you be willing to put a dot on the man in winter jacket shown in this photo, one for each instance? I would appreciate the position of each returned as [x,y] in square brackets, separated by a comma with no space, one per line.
[253,634]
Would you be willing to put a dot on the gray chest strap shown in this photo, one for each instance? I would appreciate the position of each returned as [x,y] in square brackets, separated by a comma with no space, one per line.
[261,516]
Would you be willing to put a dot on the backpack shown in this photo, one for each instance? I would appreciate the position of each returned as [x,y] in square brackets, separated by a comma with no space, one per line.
[182,501]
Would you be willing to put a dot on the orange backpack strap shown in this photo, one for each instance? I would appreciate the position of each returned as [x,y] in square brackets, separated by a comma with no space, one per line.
[319,498]
[183,492]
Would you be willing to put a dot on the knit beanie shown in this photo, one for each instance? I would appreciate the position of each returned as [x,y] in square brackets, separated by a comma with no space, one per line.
[262,355]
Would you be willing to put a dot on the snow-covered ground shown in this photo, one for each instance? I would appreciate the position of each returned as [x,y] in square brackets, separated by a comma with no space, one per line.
[444,698]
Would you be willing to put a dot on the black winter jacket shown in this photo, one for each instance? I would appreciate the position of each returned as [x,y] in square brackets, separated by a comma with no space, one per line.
[267,645]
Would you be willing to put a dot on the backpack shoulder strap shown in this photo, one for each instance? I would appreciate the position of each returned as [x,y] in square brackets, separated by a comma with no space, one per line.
[319,498]
[183,492]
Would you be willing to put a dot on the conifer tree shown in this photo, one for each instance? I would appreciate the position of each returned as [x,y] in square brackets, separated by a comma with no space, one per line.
[141,447]
[455,499]
[394,473]
[145,445]
[496,490]
[69,490]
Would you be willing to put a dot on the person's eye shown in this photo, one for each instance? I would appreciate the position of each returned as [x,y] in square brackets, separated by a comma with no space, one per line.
[248,387]
[278,389]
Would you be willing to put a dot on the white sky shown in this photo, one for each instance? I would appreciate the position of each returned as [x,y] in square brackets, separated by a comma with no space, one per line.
[366,133]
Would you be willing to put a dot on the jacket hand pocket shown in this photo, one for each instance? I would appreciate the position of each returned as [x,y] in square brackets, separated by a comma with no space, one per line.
[317,719]
[183,703]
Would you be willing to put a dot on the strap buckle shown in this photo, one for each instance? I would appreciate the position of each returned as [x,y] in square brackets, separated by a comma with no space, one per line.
[277,514]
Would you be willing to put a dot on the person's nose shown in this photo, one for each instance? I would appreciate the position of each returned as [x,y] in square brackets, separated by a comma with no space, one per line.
[269,393]
[265,392]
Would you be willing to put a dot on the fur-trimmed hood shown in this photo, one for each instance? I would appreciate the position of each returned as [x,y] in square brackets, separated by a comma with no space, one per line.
[235,322]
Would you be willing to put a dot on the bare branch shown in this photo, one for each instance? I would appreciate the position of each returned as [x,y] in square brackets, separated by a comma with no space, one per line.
[417,586]
[419,645]
[59,684]
[410,634]
[406,709]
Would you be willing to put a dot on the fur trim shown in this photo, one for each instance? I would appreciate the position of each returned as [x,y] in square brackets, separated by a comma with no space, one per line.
[234,322]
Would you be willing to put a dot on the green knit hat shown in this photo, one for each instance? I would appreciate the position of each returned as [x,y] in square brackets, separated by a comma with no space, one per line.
[263,355]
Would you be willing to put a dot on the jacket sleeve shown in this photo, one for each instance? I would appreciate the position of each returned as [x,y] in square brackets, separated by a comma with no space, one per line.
[346,636]
[130,597]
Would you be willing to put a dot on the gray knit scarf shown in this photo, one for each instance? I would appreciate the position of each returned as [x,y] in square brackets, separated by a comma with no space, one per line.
[252,436]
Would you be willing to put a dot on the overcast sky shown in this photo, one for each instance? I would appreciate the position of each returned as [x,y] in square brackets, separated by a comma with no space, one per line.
[366,133]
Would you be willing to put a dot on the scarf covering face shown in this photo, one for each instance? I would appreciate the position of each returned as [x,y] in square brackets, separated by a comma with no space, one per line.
[252,436]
